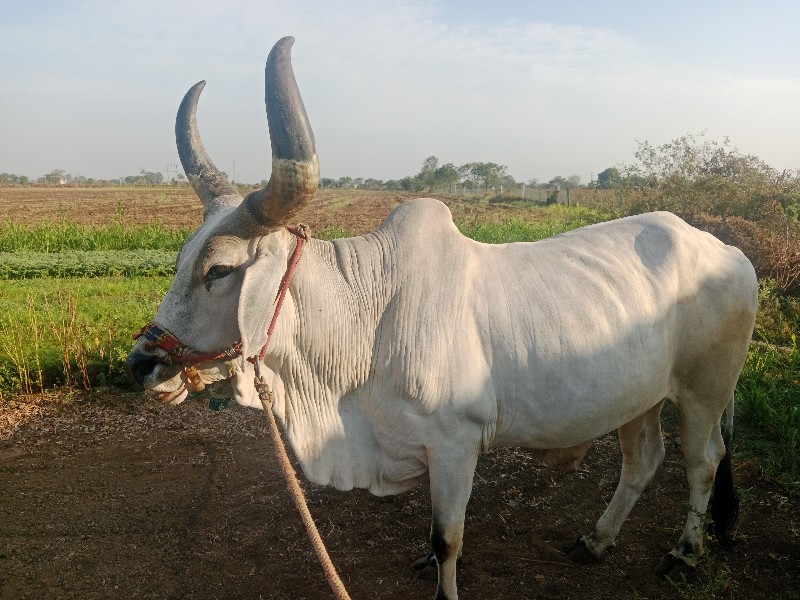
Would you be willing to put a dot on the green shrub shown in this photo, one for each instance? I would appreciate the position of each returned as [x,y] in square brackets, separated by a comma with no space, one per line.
[100,263]
[778,318]
[690,176]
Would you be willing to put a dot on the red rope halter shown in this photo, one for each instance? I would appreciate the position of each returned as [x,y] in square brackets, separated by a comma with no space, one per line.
[178,352]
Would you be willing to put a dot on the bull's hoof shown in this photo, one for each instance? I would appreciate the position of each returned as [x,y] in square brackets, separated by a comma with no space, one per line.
[429,560]
[672,566]
[579,553]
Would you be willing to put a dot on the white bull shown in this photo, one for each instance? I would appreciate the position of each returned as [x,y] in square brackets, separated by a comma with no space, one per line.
[402,355]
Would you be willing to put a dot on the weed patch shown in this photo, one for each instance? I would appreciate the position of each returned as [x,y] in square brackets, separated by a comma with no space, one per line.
[768,397]
[74,332]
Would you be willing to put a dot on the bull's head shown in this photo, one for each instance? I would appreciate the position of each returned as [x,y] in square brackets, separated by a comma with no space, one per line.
[239,254]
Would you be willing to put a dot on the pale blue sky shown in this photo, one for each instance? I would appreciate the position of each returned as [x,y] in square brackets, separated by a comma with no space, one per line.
[546,88]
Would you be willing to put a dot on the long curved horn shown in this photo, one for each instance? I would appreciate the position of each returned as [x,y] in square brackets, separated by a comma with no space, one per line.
[208,182]
[295,168]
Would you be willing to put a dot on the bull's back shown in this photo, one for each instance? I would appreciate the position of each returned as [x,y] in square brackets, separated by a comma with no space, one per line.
[557,341]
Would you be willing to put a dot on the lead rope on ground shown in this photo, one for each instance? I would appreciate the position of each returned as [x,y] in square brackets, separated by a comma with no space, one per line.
[302,233]
[266,397]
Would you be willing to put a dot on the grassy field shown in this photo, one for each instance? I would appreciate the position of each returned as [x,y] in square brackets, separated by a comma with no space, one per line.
[72,293]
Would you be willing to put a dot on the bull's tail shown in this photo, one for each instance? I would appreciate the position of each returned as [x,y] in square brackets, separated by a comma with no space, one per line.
[724,504]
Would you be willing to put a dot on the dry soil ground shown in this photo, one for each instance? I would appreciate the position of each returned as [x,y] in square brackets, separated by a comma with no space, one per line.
[107,495]
[104,494]
[352,210]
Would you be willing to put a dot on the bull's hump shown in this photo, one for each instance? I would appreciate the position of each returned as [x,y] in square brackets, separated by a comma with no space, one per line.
[426,216]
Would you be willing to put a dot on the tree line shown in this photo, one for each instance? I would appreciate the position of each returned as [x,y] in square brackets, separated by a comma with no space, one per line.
[62,177]
[488,177]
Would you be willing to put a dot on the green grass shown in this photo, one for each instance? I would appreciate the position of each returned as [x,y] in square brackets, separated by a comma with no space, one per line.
[556,220]
[71,331]
[68,237]
[768,398]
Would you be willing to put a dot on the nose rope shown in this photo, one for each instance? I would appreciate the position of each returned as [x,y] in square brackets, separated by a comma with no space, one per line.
[266,396]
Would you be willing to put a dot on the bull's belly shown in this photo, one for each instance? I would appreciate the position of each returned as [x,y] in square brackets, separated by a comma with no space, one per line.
[580,409]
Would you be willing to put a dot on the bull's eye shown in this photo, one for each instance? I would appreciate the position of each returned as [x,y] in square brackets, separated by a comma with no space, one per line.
[217,272]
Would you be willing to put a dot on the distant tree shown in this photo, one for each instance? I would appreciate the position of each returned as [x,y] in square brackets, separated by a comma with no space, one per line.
[373,184]
[466,175]
[427,174]
[557,181]
[573,181]
[446,176]
[12,179]
[490,174]
[327,182]
[56,176]
[408,183]
[609,178]
[145,177]
[508,182]
[156,178]
[344,182]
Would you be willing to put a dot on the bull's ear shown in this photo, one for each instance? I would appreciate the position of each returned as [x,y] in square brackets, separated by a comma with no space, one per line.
[260,286]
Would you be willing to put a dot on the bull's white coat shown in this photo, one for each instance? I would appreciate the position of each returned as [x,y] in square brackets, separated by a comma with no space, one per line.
[414,333]
[401,355]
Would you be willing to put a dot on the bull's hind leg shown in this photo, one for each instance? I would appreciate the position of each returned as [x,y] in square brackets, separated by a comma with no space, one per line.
[704,450]
[642,451]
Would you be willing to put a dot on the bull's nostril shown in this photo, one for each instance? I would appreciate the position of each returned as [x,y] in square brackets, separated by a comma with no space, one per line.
[140,365]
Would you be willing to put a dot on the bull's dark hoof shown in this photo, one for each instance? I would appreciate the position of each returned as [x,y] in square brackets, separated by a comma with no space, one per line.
[579,553]
[672,566]
[429,560]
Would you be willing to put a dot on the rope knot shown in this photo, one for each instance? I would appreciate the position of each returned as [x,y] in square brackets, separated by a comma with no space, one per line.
[265,393]
[302,231]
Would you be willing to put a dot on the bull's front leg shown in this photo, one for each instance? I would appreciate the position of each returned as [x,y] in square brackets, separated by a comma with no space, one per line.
[451,472]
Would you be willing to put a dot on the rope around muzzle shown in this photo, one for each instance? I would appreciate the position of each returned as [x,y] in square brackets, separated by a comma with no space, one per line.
[267,398]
